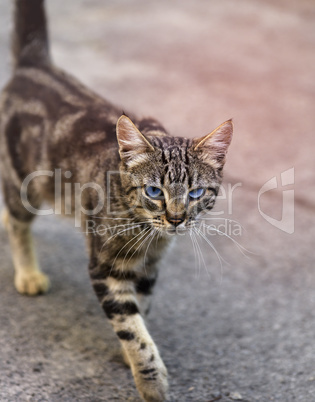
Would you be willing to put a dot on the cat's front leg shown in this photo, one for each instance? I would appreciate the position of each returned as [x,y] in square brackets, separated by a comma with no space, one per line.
[144,287]
[117,295]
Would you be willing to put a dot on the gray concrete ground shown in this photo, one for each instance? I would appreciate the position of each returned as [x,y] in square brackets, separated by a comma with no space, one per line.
[248,328]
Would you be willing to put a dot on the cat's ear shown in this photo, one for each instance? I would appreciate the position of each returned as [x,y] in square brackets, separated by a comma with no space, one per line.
[213,147]
[130,140]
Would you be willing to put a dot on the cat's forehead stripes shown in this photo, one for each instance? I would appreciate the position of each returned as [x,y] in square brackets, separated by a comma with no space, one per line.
[175,158]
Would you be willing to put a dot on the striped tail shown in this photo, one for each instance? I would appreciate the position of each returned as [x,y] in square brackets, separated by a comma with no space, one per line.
[30,38]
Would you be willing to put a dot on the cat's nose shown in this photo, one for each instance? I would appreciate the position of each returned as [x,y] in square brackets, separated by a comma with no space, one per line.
[175,219]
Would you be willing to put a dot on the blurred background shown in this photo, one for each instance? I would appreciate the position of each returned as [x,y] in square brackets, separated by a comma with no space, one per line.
[241,331]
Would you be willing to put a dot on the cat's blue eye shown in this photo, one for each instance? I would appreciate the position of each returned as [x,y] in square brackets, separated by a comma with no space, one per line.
[153,192]
[197,193]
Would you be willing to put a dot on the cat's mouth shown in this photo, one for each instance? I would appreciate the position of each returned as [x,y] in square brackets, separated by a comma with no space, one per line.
[179,228]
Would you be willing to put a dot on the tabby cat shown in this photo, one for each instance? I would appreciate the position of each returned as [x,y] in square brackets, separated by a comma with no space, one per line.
[51,125]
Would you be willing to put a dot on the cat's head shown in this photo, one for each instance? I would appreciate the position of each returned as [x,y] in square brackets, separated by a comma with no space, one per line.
[169,181]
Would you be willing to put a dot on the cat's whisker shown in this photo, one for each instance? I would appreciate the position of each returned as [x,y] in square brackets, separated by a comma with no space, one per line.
[198,269]
[105,229]
[201,255]
[146,231]
[158,235]
[116,234]
[222,219]
[122,231]
[211,245]
[102,231]
[159,231]
[140,246]
[151,236]
[122,219]
[103,217]
[241,248]
[142,232]
[220,258]
[195,252]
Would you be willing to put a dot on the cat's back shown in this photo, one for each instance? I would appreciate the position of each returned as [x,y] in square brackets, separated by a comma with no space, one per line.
[57,97]
[43,106]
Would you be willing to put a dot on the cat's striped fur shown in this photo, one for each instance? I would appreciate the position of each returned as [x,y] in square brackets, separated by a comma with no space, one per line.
[48,121]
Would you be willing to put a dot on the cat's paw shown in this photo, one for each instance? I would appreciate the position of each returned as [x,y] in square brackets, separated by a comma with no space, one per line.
[32,283]
[152,382]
